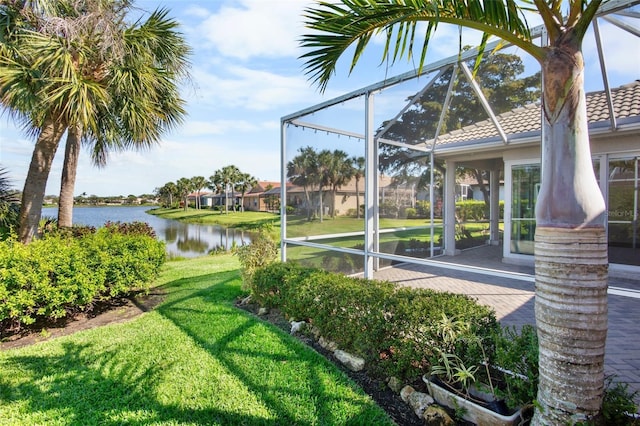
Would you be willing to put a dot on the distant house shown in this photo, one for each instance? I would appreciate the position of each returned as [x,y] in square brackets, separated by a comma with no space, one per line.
[348,196]
[259,198]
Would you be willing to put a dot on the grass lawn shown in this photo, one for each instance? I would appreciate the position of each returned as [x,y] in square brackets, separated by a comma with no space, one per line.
[194,360]
[246,220]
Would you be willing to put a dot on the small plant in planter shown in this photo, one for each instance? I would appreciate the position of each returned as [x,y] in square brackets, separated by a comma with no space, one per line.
[454,383]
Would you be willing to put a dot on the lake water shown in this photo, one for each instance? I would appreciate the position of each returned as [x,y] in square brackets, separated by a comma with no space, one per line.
[182,239]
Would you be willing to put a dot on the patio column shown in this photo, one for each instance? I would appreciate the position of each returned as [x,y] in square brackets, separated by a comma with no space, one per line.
[449,215]
[494,207]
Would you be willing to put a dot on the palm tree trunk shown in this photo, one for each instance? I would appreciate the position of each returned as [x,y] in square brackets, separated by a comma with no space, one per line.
[307,197]
[570,252]
[68,183]
[320,202]
[357,199]
[35,184]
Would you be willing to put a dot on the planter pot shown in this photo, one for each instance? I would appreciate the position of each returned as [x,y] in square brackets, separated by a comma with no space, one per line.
[472,411]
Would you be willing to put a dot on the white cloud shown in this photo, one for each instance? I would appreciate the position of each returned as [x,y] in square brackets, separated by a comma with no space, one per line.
[216,127]
[242,87]
[255,28]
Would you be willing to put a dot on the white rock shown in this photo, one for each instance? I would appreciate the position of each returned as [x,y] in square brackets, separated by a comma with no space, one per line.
[394,384]
[352,362]
[297,326]
[263,311]
[419,402]
[405,392]
[327,344]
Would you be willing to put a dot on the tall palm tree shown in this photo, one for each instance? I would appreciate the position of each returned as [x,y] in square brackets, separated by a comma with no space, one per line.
[73,47]
[142,82]
[571,244]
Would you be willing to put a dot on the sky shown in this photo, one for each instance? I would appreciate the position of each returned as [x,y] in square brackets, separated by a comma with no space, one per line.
[245,75]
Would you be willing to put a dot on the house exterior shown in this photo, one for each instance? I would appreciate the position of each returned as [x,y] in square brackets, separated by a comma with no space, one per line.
[346,198]
[254,200]
[615,146]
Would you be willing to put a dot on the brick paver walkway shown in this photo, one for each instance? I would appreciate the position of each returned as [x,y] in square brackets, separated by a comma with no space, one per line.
[512,298]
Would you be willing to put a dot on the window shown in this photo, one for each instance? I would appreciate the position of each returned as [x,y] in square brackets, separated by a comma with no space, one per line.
[524,192]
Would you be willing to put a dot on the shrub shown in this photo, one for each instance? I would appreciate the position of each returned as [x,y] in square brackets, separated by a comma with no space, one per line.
[131,228]
[618,405]
[411,213]
[471,210]
[47,278]
[130,260]
[392,328]
[260,252]
[61,274]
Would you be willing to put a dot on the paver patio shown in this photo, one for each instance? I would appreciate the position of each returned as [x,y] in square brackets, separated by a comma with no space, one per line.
[509,289]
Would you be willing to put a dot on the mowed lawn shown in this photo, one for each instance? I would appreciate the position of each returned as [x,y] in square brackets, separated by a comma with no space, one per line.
[194,360]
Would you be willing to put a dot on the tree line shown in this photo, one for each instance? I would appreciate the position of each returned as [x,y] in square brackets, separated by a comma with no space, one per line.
[228,180]
[324,170]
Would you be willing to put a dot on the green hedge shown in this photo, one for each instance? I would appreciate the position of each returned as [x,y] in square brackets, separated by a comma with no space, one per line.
[61,274]
[473,210]
[394,329]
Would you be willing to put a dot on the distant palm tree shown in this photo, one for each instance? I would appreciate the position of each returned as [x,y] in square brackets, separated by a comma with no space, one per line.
[321,177]
[184,187]
[339,173]
[167,192]
[212,184]
[198,183]
[245,183]
[225,179]
[300,170]
[571,290]
[358,173]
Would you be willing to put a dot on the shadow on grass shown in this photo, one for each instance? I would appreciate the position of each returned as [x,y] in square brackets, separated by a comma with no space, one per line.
[88,383]
[291,380]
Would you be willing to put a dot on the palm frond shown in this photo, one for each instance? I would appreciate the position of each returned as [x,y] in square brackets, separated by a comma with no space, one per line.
[336,27]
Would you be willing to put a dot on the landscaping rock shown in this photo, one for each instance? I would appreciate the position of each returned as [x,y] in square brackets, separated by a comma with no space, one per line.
[405,392]
[352,362]
[315,331]
[437,416]
[394,384]
[419,402]
[263,311]
[327,344]
[297,326]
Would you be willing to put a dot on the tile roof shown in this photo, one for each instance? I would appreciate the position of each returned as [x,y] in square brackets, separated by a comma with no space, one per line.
[523,121]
